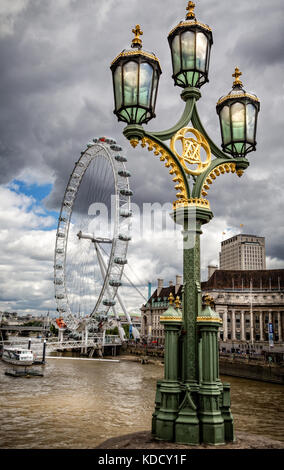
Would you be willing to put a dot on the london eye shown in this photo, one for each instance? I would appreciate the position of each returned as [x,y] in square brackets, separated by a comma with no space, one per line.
[92,239]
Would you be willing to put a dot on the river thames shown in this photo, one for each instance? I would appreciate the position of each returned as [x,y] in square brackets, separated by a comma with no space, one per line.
[78,404]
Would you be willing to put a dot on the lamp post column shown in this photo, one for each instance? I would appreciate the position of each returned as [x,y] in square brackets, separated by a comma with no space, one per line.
[261,325]
[225,325]
[279,327]
[187,422]
[233,322]
[242,325]
[192,303]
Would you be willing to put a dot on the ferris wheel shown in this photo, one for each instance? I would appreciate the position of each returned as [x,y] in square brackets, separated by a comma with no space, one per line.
[92,239]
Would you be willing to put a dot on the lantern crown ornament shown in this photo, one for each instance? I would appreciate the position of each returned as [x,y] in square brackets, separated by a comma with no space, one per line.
[136,76]
[238,112]
[190,43]
[137,42]
[237,75]
[190,8]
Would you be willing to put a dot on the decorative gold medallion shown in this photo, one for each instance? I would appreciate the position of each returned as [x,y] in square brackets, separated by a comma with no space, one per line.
[191,150]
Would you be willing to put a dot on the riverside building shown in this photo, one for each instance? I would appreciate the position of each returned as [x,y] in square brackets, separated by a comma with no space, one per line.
[243,251]
[250,303]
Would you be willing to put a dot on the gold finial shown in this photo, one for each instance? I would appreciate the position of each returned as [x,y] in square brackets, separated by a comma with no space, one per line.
[190,7]
[177,302]
[136,42]
[208,300]
[171,299]
[237,74]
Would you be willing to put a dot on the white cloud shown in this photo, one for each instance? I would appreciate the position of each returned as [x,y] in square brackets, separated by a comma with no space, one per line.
[26,254]
[8,14]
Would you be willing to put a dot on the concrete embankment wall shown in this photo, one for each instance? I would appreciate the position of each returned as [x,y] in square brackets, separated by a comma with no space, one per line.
[246,369]
[264,372]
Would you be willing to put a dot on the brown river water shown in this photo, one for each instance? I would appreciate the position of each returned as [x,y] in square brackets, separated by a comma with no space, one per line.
[78,404]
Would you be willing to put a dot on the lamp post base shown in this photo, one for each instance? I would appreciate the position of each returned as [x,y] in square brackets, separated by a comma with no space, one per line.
[226,414]
[187,422]
[164,422]
[211,419]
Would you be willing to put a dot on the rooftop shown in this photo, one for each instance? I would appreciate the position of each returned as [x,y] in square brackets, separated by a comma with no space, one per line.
[231,279]
[242,279]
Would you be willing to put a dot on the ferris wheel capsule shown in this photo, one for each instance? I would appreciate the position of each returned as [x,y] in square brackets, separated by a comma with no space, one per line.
[116,148]
[115,283]
[120,158]
[124,173]
[109,302]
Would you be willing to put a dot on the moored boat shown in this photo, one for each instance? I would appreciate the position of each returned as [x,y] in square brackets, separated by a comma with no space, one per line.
[18,356]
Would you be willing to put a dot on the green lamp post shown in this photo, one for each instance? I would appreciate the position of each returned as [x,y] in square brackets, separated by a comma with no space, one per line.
[192,405]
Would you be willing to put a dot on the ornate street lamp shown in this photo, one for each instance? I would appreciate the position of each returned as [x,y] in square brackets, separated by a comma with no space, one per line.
[238,112]
[136,76]
[192,404]
[190,42]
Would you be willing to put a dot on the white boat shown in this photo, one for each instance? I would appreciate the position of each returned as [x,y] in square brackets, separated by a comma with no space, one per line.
[18,356]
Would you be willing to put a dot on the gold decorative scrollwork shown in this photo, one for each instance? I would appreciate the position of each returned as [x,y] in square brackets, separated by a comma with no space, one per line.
[174,169]
[193,201]
[191,150]
[220,169]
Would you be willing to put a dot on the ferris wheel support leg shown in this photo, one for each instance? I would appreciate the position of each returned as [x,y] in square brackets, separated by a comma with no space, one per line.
[86,338]
[103,273]
[60,335]
[82,347]
[104,337]
[117,294]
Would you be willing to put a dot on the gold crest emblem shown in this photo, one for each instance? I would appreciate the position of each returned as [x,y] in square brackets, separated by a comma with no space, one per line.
[191,159]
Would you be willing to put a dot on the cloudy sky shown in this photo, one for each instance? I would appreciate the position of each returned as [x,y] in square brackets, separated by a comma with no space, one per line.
[56,94]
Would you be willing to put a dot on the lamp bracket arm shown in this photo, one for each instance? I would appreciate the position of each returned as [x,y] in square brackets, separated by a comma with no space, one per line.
[221,165]
[196,122]
[184,120]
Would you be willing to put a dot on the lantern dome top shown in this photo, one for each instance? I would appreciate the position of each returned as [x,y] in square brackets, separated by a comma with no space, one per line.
[136,49]
[172,314]
[190,21]
[237,91]
[208,314]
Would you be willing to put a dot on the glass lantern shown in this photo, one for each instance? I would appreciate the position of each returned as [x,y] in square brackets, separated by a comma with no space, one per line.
[190,43]
[238,113]
[136,76]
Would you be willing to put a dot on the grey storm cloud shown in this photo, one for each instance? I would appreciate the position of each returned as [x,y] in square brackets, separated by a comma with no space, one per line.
[56,93]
